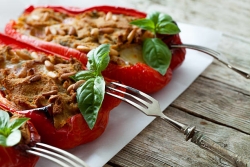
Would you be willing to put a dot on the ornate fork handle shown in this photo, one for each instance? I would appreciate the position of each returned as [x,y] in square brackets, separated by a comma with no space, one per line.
[208,144]
[215,55]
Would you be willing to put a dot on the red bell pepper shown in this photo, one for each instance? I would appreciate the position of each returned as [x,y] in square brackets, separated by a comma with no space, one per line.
[76,130]
[16,156]
[139,77]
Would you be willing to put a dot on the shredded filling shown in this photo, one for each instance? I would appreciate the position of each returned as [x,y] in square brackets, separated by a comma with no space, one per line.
[30,80]
[86,31]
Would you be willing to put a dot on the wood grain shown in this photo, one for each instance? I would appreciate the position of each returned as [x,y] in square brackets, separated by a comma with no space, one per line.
[161,145]
[217,103]
[229,17]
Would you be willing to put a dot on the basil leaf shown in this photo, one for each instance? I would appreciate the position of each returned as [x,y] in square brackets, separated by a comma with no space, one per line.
[156,54]
[9,133]
[2,140]
[13,138]
[16,123]
[163,23]
[158,17]
[98,59]
[91,94]
[167,28]
[145,24]
[91,62]
[157,22]
[83,75]
[4,119]
[90,97]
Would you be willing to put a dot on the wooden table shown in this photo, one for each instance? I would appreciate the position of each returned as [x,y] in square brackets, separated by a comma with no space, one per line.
[218,101]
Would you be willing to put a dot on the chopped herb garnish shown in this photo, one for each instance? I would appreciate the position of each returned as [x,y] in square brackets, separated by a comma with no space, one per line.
[155,52]
[10,134]
[90,94]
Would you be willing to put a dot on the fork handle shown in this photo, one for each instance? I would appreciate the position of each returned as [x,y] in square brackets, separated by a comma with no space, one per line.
[208,144]
[214,54]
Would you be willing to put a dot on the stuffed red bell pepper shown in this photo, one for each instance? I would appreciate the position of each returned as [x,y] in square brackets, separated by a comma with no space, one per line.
[141,55]
[66,104]
[17,134]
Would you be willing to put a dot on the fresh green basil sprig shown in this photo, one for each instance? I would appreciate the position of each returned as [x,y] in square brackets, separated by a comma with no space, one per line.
[90,94]
[10,134]
[155,52]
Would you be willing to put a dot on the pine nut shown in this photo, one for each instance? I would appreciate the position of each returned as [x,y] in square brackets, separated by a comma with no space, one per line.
[45,16]
[61,32]
[107,30]
[53,98]
[52,74]
[83,48]
[41,58]
[49,66]
[113,52]
[47,31]
[108,16]
[115,18]
[52,92]
[67,75]
[34,55]
[94,32]
[131,35]
[23,54]
[48,38]
[70,88]
[12,52]
[53,31]
[35,78]
[78,84]
[23,72]
[72,31]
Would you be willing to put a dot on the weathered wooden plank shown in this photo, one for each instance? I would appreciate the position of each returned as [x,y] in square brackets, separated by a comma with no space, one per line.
[230,17]
[217,102]
[237,50]
[161,145]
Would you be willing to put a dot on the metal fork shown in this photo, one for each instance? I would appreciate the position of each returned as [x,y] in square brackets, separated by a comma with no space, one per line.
[59,156]
[149,106]
[215,55]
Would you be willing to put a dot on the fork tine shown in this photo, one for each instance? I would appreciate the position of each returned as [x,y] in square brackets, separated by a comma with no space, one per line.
[54,154]
[50,153]
[150,108]
[130,95]
[135,91]
[63,153]
[126,100]
[48,157]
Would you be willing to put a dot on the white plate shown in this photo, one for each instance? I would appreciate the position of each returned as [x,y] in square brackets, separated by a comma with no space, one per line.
[125,121]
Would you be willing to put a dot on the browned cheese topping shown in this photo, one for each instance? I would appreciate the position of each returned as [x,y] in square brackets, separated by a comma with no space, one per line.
[30,80]
[87,31]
